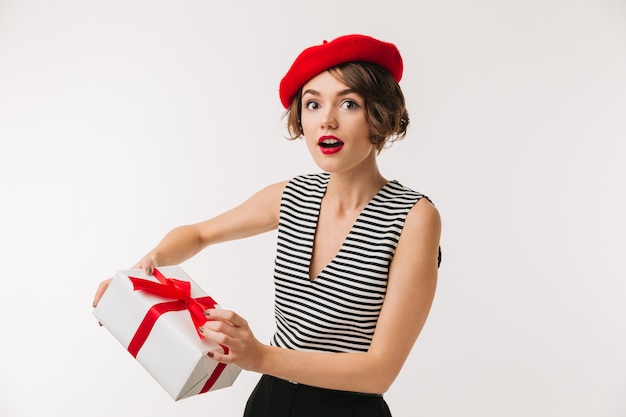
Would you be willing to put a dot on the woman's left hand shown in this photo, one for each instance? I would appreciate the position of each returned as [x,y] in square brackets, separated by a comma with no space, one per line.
[229,329]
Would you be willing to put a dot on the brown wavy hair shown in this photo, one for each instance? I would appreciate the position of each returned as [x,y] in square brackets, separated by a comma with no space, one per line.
[385,107]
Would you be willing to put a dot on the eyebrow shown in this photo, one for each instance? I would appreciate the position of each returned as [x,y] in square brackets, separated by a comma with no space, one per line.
[316,93]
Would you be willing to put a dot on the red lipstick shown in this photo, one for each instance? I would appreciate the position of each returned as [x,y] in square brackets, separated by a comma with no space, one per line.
[329,145]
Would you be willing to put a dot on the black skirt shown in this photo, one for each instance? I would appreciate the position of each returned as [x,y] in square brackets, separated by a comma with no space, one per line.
[275,397]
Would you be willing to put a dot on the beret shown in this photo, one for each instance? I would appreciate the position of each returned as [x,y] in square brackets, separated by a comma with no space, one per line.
[348,48]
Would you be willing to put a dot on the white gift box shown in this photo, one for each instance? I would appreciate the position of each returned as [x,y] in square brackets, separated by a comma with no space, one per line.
[173,353]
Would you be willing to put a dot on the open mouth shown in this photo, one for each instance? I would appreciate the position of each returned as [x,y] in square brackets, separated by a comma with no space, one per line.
[329,142]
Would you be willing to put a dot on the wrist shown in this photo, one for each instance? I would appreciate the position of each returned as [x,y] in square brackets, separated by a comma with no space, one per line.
[263,361]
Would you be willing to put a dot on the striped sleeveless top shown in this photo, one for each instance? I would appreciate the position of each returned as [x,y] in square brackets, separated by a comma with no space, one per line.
[338,311]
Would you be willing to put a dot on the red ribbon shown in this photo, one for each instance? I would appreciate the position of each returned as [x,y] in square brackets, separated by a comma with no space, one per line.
[180,291]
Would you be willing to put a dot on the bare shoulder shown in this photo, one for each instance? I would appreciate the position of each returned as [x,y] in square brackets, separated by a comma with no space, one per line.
[277,188]
[269,196]
[267,200]
[419,242]
[423,218]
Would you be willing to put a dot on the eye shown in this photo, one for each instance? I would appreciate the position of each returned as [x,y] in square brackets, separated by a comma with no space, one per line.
[311,105]
[350,105]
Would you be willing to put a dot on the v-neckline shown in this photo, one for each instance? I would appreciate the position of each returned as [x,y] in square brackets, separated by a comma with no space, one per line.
[318,208]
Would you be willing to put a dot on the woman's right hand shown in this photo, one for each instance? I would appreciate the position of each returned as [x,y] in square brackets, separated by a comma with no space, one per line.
[147,264]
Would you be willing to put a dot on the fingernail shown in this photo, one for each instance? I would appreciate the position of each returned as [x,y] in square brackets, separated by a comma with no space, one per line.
[210,354]
[207,312]
[201,329]
[149,270]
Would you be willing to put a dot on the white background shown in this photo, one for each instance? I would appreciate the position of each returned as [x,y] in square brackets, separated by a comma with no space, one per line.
[120,120]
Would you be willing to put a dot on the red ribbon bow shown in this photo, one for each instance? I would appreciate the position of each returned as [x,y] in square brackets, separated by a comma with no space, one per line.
[180,291]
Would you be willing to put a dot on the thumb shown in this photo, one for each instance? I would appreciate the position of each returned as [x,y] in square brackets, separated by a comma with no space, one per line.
[148,263]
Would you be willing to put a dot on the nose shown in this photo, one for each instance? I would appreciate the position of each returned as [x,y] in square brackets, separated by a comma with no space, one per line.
[329,121]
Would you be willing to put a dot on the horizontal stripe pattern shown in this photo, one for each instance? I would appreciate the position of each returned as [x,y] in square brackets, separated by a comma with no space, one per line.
[338,311]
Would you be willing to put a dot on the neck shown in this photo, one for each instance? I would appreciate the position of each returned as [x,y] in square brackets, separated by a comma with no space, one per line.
[353,190]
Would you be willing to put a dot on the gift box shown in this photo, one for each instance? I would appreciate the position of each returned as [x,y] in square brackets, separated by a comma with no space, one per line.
[156,319]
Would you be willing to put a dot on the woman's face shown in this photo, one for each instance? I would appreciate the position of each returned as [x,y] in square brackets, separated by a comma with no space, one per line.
[335,125]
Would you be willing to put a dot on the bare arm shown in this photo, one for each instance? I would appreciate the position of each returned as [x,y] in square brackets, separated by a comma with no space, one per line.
[256,215]
[411,288]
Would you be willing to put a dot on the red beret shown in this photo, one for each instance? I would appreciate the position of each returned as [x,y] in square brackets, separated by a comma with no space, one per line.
[349,48]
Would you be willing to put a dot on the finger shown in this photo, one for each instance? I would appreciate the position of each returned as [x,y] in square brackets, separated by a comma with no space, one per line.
[148,263]
[218,353]
[220,357]
[225,315]
[220,331]
[222,334]
[100,291]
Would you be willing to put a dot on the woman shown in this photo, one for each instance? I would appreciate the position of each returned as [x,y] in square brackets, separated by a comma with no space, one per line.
[357,258]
